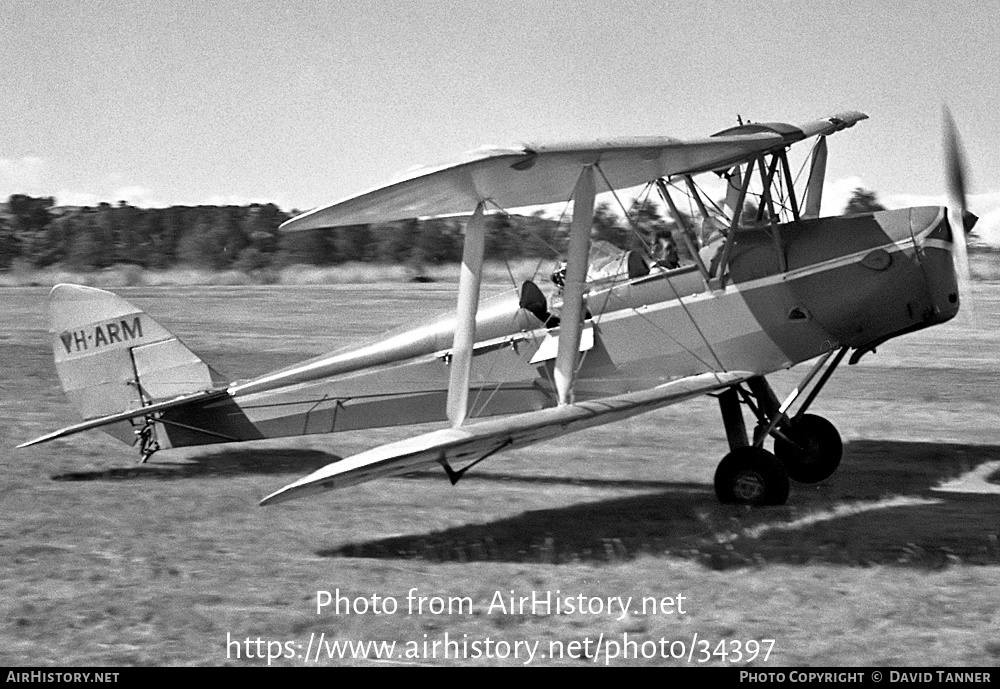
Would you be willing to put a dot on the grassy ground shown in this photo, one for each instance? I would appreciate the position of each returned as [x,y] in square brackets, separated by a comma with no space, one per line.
[103,562]
[985,265]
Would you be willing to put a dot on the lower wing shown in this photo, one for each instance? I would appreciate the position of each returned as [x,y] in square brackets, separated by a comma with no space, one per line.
[474,442]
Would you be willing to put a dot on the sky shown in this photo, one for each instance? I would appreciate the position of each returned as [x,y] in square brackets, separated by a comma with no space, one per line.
[304,103]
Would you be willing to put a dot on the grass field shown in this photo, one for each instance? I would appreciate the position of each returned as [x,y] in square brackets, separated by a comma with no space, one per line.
[103,562]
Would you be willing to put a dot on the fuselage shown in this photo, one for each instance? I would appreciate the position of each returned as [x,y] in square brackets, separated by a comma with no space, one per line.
[789,293]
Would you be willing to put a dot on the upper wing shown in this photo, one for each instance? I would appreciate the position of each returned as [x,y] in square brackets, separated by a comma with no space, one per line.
[476,441]
[534,175]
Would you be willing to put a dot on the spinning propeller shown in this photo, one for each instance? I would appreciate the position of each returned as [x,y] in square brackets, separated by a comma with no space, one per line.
[960,219]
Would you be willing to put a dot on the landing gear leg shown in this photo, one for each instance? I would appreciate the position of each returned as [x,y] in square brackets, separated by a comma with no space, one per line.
[807,445]
[807,448]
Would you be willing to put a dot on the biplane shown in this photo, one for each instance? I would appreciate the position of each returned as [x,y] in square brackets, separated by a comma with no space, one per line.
[768,285]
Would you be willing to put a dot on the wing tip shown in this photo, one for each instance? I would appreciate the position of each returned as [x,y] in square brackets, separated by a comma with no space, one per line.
[299,489]
[271,499]
[54,435]
[280,495]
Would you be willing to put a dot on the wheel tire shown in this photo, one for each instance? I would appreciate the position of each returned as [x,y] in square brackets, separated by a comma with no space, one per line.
[815,449]
[751,476]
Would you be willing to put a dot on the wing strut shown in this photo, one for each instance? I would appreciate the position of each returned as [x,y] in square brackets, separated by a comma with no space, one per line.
[817,173]
[734,224]
[571,324]
[465,327]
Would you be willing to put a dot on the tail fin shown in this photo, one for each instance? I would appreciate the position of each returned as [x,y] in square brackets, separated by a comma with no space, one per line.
[113,358]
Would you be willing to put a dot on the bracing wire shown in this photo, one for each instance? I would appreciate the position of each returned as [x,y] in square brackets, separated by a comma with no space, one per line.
[506,259]
[628,218]
[534,274]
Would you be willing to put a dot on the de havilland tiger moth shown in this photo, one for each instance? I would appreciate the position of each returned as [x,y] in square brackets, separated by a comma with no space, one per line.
[768,287]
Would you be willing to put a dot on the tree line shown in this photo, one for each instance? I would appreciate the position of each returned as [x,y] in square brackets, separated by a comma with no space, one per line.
[35,233]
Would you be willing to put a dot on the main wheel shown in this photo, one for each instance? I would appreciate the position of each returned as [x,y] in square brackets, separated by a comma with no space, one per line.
[751,476]
[813,449]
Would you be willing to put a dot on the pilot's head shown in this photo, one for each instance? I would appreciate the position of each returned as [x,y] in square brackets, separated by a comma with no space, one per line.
[559,275]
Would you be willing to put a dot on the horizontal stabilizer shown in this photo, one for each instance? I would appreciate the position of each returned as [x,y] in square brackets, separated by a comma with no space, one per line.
[148,410]
[473,442]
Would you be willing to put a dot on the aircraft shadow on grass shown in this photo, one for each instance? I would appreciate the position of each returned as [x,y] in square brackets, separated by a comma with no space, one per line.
[236,462]
[880,508]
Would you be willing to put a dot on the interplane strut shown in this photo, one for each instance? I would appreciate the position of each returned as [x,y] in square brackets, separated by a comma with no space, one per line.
[465,326]
[571,325]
